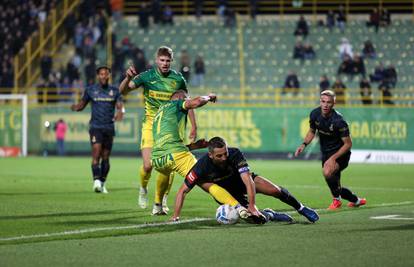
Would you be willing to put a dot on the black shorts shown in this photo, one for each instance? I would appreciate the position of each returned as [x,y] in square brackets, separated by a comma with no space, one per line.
[102,136]
[342,160]
[235,186]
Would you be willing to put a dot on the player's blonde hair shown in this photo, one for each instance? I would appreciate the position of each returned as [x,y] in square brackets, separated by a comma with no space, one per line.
[329,93]
[165,51]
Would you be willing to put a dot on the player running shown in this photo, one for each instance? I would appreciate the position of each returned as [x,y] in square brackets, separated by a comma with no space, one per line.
[104,99]
[158,83]
[226,167]
[336,144]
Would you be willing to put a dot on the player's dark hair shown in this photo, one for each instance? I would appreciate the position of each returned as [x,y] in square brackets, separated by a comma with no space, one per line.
[165,51]
[216,142]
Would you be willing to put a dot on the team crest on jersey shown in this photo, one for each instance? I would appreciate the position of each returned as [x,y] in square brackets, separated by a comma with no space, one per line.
[111,93]
[331,127]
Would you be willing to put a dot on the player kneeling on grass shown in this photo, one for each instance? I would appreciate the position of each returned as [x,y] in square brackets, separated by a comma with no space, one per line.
[336,144]
[227,167]
[104,99]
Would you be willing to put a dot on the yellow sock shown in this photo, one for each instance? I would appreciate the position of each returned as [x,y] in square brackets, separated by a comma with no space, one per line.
[162,184]
[170,182]
[221,195]
[145,176]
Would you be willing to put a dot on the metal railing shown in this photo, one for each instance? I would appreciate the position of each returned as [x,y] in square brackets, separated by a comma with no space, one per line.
[49,37]
[276,97]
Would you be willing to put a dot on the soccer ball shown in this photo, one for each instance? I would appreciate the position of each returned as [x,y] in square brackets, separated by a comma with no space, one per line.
[227,214]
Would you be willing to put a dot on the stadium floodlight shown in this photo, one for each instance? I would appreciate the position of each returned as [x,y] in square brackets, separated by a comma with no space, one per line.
[13,125]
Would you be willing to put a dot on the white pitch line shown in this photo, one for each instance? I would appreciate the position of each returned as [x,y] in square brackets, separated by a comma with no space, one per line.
[103,229]
[139,226]
[391,217]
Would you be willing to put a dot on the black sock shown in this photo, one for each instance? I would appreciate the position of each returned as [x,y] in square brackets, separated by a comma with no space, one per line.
[334,185]
[348,195]
[287,198]
[96,171]
[104,169]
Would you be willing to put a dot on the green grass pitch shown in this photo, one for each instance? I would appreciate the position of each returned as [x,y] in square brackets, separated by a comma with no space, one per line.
[50,216]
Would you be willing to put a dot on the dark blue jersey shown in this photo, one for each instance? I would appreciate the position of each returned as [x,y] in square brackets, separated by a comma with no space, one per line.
[103,100]
[331,130]
[205,171]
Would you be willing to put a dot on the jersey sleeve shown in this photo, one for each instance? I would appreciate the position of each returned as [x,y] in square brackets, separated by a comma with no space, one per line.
[181,105]
[240,162]
[343,128]
[138,80]
[118,97]
[85,96]
[194,175]
[312,119]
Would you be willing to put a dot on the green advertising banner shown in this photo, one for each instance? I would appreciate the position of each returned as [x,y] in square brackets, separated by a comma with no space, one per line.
[10,126]
[252,129]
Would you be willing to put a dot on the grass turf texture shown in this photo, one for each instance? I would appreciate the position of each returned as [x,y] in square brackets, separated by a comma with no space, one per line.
[41,196]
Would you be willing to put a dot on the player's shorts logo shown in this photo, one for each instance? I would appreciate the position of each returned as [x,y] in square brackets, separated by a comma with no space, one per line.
[93,139]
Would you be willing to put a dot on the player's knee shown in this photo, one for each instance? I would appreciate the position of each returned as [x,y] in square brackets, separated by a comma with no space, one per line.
[327,173]
[147,167]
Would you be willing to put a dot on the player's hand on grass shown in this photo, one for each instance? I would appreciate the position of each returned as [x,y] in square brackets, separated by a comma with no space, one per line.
[174,219]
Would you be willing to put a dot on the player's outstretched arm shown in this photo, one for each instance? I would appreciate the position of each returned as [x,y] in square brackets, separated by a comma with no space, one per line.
[200,101]
[179,201]
[308,139]
[193,132]
[127,85]
[251,193]
[80,106]
[199,144]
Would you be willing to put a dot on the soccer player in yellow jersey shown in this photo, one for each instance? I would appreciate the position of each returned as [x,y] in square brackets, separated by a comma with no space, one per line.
[158,83]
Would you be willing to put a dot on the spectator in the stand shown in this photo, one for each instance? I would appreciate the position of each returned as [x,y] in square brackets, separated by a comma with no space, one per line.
[324,83]
[199,71]
[65,92]
[70,26]
[185,65]
[345,49]
[72,71]
[369,50]
[198,5]
[60,132]
[143,16]
[46,65]
[385,19]
[374,19]
[379,73]
[253,9]
[358,66]
[390,76]
[140,62]
[156,11]
[168,16]
[302,27]
[308,51]
[7,76]
[52,89]
[298,52]
[385,89]
[365,91]
[346,67]
[292,84]
[330,20]
[90,69]
[341,18]
[339,88]
[117,7]
[229,17]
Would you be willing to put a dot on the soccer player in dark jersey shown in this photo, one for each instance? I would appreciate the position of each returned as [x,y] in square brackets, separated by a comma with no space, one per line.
[227,167]
[336,144]
[104,99]
[158,84]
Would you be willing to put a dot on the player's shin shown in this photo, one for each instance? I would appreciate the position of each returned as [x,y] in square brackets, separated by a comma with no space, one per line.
[162,185]
[105,166]
[221,195]
[286,197]
[96,171]
[348,195]
[334,185]
[145,176]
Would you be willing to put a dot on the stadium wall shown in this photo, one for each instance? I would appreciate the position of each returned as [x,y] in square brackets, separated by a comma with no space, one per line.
[253,129]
